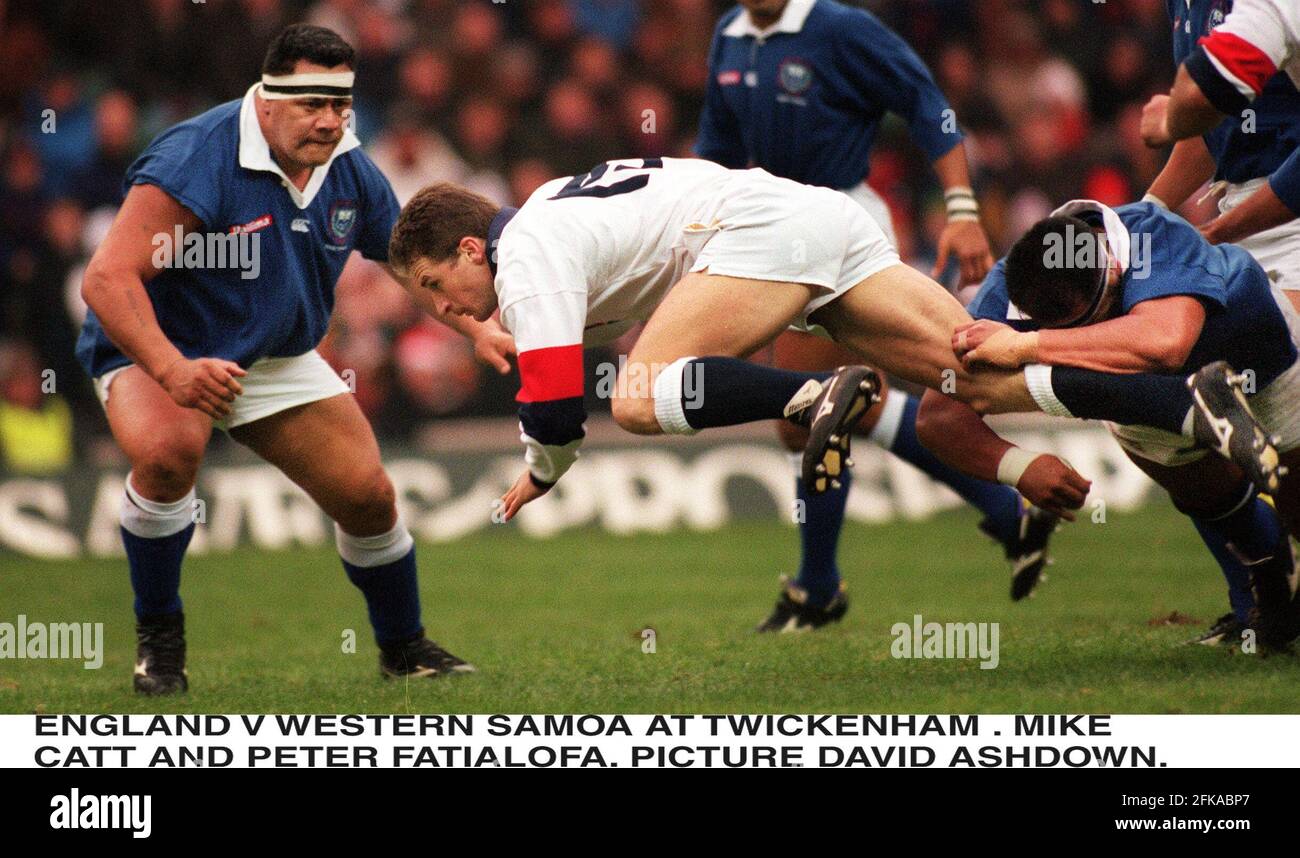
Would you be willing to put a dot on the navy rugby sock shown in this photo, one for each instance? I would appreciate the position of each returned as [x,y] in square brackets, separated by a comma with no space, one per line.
[723,391]
[155,535]
[383,568]
[1141,399]
[819,537]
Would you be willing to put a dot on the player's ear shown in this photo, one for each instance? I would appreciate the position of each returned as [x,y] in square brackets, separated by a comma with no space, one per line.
[474,248]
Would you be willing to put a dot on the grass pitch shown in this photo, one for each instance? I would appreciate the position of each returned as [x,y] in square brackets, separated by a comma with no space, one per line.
[556,626]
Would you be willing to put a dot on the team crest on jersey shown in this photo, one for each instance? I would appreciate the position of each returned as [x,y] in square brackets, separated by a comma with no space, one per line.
[1219,10]
[343,217]
[794,75]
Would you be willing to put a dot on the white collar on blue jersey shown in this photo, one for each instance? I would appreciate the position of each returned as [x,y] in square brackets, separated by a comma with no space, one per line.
[255,154]
[791,21]
[1118,241]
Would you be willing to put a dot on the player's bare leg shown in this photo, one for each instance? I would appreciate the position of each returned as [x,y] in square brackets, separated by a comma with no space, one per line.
[328,448]
[901,321]
[704,314]
[696,337]
[165,443]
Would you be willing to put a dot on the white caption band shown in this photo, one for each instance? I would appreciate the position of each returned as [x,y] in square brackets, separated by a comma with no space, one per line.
[1013,465]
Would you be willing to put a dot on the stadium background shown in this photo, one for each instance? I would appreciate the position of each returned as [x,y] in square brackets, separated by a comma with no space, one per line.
[503,96]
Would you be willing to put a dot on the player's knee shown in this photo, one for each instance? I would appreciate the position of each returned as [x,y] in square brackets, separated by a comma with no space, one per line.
[167,466]
[370,504]
[792,435]
[635,414]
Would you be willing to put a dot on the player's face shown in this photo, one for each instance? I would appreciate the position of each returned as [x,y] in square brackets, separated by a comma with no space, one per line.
[305,131]
[460,286]
[1107,308]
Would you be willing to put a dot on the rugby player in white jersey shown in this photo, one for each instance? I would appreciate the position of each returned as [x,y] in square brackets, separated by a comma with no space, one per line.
[717,263]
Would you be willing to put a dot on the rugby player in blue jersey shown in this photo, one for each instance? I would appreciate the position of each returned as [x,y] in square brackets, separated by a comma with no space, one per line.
[1251,156]
[799,88]
[178,341]
[1136,289]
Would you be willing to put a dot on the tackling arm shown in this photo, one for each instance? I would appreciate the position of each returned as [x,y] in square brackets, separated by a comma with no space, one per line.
[1155,336]
[961,439]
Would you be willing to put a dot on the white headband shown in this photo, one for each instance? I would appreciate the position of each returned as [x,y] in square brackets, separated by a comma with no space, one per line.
[313,85]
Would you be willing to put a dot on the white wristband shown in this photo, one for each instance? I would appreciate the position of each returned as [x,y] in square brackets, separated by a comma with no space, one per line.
[1013,465]
[1152,198]
[960,204]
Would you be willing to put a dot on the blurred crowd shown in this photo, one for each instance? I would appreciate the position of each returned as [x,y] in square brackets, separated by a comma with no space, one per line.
[500,96]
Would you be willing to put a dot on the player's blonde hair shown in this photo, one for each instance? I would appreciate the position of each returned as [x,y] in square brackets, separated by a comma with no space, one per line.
[434,221]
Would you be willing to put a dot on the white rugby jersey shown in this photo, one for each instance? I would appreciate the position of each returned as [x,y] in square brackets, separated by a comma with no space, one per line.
[1256,40]
[581,262]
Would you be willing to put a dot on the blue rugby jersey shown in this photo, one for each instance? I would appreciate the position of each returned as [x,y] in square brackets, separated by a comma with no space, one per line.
[1243,324]
[1270,148]
[218,165]
[804,99]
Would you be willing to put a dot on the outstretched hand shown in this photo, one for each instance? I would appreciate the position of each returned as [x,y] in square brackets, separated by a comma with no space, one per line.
[1051,484]
[494,346]
[522,492]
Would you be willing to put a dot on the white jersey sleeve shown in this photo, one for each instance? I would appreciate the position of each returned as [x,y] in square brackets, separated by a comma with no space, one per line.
[543,298]
[1255,41]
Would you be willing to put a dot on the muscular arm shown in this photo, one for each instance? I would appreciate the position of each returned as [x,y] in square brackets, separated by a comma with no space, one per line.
[1189,166]
[1189,112]
[960,438]
[114,288]
[114,283]
[1155,336]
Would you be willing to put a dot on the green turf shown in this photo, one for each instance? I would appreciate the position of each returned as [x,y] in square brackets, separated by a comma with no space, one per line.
[556,626]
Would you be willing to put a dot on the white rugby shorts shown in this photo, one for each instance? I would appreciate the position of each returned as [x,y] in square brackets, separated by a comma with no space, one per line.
[272,385]
[1277,250]
[775,229]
